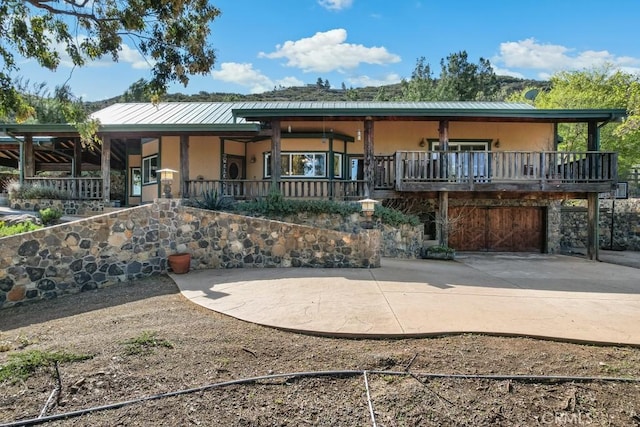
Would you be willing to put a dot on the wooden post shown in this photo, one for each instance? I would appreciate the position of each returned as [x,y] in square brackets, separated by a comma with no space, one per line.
[276,144]
[184,166]
[77,158]
[29,160]
[593,226]
[106,168]
[369,158]
[443,139]
[443,218]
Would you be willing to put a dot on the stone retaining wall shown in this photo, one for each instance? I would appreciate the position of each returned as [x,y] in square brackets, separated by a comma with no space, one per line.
[404,241]
[67,207]
[134,243]
[626,225]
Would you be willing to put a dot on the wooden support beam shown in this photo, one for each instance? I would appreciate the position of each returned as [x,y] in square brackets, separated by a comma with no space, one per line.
[29,161]
[443,218]
[106,168]
[77,158]
[369,159]
[276,144]
[184,164]
[443,135]
[593,226]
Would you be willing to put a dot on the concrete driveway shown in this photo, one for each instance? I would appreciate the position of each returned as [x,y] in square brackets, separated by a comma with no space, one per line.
[548,296]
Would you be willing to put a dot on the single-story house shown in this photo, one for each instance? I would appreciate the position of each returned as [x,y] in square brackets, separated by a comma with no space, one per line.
[484,176]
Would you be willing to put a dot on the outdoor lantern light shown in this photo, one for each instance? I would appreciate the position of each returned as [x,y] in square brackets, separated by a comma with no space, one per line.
[166,177]
[368,206]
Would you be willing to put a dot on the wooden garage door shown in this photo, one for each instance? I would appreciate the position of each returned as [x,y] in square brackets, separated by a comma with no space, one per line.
[498,229]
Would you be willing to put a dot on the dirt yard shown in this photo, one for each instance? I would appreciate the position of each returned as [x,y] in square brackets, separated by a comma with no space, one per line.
[145,339]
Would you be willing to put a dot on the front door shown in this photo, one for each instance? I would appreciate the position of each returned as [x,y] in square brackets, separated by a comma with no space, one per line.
[233,170]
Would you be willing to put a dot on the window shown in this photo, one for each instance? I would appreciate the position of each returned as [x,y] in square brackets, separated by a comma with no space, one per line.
[136,182]
[337,165]
[474,164]
[307,165]
[149,168]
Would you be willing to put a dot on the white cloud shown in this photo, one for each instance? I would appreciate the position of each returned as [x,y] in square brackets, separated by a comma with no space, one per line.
[126,55]
[245,75]
[325,52]
[335,4]
[505,72]
[364,81]
[133,57]
[549,58]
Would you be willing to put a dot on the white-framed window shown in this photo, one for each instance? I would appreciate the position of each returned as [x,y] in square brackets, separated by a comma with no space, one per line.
[300,165]
[149,168]
[464,165]
[337,165]
[136,182]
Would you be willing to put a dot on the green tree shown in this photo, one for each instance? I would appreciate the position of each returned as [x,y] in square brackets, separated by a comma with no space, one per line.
[461,80]
[139,92]
[421,86]
[171,35]
[598,88]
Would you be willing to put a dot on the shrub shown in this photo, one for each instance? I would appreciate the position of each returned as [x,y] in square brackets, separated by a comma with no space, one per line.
[20,366]
[275,205]
[50,215]
[36,191]
[393,217]
[23,227]
[213,201]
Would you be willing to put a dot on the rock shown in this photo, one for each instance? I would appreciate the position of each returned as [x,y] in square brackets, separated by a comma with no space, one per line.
[19,219]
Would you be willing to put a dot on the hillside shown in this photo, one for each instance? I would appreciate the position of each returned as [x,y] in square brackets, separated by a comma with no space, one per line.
[315,92]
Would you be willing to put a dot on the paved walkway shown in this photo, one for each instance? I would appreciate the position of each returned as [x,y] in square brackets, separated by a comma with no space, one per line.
[550,296]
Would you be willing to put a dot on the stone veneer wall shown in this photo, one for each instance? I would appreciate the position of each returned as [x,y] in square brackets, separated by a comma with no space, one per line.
[626,225]
[67,207]
[403,241]
[134,243]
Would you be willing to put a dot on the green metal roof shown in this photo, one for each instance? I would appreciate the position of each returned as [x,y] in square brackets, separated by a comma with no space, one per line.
[457,110]
[185,117]
[177,116]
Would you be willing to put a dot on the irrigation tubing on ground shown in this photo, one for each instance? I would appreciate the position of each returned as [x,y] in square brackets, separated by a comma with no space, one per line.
[342,373]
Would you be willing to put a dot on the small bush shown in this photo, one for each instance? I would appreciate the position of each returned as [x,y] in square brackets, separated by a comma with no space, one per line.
[36,191]
[393,217]
[23,227]
[275,205]
[50,215]
[20,366]
[213,201]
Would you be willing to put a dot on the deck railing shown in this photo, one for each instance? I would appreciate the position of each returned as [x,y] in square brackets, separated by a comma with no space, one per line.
[302,188]
[83,188]
[478,167]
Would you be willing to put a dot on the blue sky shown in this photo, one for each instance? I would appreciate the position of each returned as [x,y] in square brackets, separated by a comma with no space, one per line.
[263,44]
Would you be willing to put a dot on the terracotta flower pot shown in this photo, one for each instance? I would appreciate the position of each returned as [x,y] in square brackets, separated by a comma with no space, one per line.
[180,262]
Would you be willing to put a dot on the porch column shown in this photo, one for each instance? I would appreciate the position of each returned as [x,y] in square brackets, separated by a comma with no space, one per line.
[443,135]
[276,166]
[106,168]
[29,160]
[443,218]
[184,166]
[369,158]
[443,139]
[593,201]
[77,158]
[593,226]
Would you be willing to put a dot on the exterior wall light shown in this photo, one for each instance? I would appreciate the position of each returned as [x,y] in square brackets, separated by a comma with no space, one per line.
[166,177]
[368,206]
